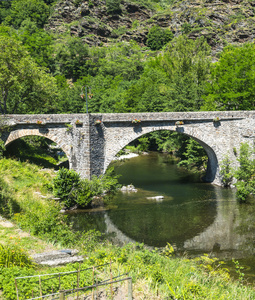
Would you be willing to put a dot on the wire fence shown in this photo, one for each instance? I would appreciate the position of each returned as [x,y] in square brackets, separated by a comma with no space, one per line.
[69,285]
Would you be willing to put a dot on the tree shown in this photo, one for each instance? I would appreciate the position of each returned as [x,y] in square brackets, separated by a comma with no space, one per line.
[4,9]
[186,63]
[194,157]
[35,10]
[38,42]
[232,85]
[70,59]
[158,37]
[174,81]
[25,87]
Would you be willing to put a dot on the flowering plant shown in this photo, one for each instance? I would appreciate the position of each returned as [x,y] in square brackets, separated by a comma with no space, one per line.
[179,123]
[39,122]
[136,121]
[97,122]
[216,119]
[78,122]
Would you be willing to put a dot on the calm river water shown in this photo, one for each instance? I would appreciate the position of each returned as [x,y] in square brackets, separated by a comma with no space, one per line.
[195,217]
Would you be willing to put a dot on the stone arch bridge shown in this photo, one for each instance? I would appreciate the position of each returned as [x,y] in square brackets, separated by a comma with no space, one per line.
[91,141]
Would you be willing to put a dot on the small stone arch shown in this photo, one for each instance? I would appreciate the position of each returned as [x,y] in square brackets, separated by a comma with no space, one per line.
[17,134]
[212,164]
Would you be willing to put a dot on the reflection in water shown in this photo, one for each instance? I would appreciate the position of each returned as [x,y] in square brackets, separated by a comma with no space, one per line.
[195,217]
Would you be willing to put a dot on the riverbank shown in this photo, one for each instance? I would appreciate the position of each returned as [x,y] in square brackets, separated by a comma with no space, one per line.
[155,274]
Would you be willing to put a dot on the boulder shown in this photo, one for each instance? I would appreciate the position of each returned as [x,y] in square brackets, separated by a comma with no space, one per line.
[157,198]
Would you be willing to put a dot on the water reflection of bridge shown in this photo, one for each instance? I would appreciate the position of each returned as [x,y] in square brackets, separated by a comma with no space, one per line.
[223,237]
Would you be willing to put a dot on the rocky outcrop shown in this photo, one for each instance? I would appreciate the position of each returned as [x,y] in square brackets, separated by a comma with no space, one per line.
[95,25]
[220,22]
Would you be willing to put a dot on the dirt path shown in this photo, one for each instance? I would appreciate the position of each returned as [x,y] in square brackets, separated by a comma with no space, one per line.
[10,233]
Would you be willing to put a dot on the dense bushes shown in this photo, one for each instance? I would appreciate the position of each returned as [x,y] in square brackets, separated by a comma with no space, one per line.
[243,175]
[158,37]
[72,190]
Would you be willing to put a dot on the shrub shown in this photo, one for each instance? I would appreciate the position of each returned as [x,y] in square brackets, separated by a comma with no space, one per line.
[110,181]
[113,6]
[245,173]
[158,37]
[144,144]
[65,184]
[226,172]
[71,189]
[82,194]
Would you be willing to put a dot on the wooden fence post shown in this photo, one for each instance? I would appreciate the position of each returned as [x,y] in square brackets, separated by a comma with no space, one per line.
[130,292]
[40,285]
[17,291]
[61,295]
[93,283]
[78,281]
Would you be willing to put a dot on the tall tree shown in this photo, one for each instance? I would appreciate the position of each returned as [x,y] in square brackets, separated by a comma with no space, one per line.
[25,87]
[71,58]
[34,10]
[232,86]
[187,64]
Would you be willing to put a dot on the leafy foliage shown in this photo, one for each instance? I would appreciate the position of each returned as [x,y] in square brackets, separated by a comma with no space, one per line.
[194,157]
[38,43]
[245,174]
[35,10]
[113,6]
[232,82]
[187,66]
[71,189]
[158,37]
[2,148]
[12,255]
[70,59]
[226,172]
[24,85]
[65,185]
[7,283]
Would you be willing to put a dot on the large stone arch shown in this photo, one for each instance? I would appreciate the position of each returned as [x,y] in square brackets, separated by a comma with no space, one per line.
[19,133]
[132,133]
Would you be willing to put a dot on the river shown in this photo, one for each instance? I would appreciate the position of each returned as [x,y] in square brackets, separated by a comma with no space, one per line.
[194,217]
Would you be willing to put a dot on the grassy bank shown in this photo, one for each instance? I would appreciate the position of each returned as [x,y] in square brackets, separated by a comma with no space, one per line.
[27,202]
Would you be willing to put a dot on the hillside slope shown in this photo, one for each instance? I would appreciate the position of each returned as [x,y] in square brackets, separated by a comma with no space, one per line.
[221,22]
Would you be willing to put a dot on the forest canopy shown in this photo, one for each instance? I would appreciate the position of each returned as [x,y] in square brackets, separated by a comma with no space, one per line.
[45,71]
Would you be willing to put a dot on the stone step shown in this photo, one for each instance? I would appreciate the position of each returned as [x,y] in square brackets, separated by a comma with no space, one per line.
[58,257]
